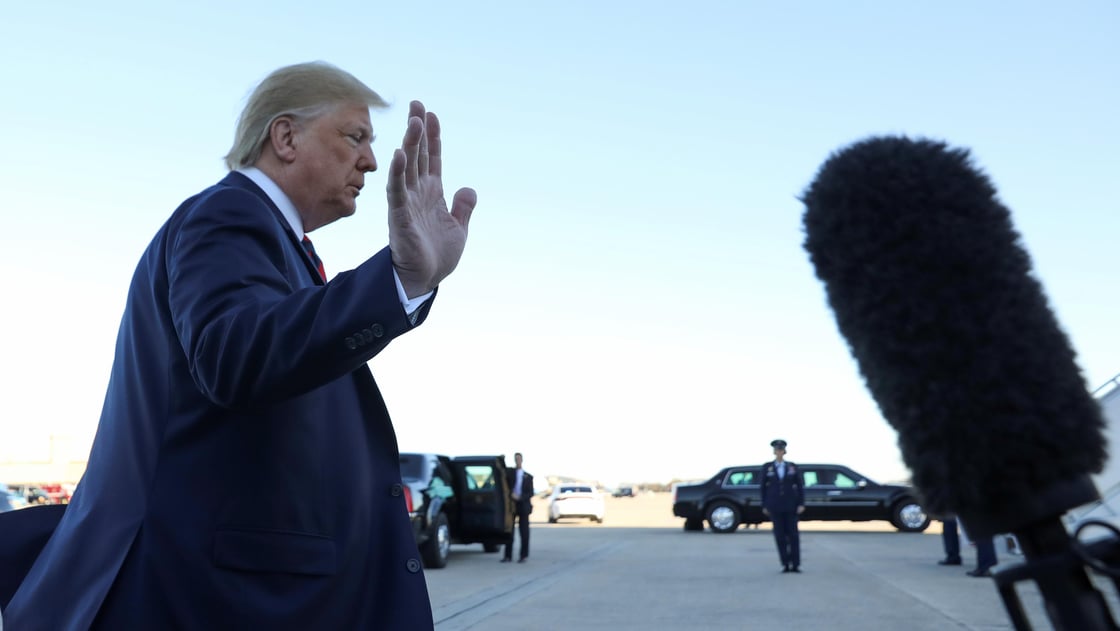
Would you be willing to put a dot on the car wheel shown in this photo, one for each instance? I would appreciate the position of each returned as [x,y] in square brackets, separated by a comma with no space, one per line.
[438,546]
[909,516]
[693,524]
[723,517]
[552,520]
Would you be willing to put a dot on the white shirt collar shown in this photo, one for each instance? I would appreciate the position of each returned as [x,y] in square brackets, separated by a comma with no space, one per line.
[270,188]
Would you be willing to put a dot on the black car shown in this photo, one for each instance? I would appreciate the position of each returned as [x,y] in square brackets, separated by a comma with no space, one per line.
[456,500]
[832,493]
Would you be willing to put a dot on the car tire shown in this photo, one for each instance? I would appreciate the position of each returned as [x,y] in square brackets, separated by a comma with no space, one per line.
[723,517]
[552,520]
[437,548]
[909,516]
[693,524]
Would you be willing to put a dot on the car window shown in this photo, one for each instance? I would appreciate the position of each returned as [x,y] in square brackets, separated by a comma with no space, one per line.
[479,477]
[412,466]
[575,489]
[844,482]
[818,477]
[439,488]
[740,478]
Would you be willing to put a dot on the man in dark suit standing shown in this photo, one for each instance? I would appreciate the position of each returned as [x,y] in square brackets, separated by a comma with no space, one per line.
[245,471]
[783,499]
[521,491]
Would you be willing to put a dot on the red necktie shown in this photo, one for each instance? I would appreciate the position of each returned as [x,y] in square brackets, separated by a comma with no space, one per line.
[314,257]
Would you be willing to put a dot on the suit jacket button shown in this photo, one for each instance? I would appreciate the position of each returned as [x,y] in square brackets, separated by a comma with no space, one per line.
[413,566]
[367,336]
[377,329]
[351,343]
[396,490]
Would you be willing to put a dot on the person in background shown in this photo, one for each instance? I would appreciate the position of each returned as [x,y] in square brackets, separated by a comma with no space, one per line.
[951,541]
[985,548]
[245,472]
[783,499]
[521,492]
[985,557]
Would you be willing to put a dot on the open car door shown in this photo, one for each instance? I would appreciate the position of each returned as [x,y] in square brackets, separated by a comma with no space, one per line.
[485,508]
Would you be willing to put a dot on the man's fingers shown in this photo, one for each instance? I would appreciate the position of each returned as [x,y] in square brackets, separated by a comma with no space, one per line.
[416,110]
[462,205]
[435,145]
[411,146]
[396,188]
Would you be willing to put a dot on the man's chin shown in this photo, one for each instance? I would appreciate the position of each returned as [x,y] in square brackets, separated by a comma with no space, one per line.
[339,213]
[347,210]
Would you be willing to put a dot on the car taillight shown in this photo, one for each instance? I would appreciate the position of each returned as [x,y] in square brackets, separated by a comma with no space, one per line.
[408,498]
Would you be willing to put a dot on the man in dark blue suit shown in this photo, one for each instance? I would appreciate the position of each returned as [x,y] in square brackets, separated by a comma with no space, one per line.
[783,499]
[245,471]
[521,492]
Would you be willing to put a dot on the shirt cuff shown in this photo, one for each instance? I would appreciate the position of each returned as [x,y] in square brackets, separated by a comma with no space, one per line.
[410,306]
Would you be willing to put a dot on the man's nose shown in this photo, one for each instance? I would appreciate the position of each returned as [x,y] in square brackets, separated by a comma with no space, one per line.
[366,162]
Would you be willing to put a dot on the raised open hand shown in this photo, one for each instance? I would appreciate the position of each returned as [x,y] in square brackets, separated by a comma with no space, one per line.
[426,240]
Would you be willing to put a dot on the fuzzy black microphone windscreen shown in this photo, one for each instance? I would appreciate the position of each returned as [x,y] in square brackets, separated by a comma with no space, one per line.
[934,292]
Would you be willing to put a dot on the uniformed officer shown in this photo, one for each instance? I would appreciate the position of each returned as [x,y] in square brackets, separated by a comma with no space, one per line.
[783,499]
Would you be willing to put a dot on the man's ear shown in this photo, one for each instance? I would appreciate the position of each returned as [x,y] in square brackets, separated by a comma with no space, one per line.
[282,138]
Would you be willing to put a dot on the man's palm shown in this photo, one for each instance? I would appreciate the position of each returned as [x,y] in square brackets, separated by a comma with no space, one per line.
[426,240]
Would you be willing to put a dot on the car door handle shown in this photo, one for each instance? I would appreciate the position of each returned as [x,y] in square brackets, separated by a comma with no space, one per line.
[835,492]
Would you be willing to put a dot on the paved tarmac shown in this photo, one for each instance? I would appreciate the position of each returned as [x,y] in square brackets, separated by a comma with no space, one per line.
[640,570]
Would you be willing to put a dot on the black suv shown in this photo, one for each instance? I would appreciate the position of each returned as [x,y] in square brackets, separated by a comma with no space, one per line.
[456,500]
[832,493]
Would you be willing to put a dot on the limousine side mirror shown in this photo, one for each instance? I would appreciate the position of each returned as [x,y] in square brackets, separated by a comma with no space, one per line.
[862,484]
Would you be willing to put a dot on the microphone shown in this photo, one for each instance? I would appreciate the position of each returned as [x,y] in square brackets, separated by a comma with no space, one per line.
[934,292]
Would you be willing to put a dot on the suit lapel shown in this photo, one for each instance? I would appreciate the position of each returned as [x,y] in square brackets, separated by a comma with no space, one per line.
[238,180]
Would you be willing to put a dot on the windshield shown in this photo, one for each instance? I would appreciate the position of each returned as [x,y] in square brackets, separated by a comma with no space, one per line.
[412,467]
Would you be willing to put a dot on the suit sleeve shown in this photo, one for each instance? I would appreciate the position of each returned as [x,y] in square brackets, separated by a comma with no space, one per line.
[250,335]
[800,488]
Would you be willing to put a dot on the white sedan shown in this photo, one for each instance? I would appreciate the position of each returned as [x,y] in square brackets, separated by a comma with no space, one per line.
[570,499]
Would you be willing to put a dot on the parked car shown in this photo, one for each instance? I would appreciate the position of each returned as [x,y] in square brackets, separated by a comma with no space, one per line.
[31,493]
[456,500]
[57,493]
[10,500]
[623,491]
[570,499]
[832,493]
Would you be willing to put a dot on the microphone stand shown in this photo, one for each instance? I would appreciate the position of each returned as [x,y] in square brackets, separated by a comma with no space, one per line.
[1055,561]
[1072,603]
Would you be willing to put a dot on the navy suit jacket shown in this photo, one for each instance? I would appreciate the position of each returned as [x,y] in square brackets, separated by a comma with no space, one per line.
[524,505]
[245,473]
[782,494]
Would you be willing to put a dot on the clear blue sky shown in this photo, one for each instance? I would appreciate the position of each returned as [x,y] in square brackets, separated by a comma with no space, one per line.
[634,303]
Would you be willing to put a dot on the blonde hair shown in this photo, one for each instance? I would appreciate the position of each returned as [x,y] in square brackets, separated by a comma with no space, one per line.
[302,91]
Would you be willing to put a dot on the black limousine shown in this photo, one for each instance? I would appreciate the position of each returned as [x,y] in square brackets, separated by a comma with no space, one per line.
[832,493]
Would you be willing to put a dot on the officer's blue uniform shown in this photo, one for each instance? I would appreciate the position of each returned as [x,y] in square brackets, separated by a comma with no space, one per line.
[781,496]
